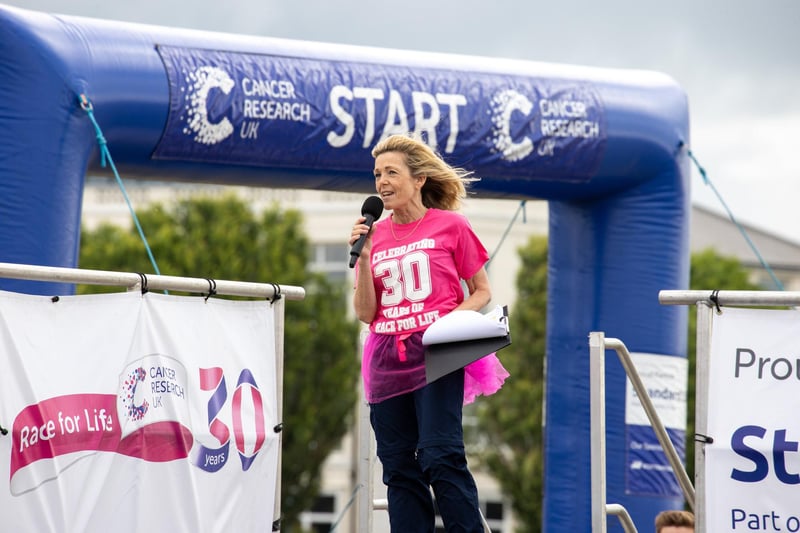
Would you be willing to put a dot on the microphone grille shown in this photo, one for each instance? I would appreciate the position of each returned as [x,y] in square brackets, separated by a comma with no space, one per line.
[373,206]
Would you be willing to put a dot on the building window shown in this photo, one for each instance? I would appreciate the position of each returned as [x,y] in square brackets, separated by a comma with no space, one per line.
[493,511]
[321,517]
[331,260]
[323,504]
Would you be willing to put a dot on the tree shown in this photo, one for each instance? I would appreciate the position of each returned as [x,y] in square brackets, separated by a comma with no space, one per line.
[223,239]
[511,421]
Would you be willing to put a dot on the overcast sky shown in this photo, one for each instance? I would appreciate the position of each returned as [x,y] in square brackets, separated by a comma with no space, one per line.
[738,61]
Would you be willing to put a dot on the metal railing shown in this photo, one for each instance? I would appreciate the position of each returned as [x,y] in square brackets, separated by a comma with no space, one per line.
[153,282]
[598,345]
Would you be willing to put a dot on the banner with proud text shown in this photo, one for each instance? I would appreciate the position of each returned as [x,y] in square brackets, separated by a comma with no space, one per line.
[752,467]
[137,412]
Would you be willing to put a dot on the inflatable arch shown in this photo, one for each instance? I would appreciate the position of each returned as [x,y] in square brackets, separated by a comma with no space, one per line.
[605,147]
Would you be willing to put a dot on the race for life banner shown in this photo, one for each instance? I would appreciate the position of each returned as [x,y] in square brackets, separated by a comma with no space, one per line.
[133,412]
[648,471]
[289,112]
[752,467]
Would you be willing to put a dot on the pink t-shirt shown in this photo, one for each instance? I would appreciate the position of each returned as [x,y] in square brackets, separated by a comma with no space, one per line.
[417,270]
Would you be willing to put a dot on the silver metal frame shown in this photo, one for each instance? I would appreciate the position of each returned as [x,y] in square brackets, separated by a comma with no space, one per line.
[133,281]
[730,298]
[702,353]
[598,344]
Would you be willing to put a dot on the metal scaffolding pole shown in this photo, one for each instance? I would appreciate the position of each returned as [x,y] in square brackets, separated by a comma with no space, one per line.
[730,298]
[153,282]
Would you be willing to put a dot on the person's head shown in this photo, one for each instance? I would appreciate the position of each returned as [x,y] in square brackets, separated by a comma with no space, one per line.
[423,175]
[675,522]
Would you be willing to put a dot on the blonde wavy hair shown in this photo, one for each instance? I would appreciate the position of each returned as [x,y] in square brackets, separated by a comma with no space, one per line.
[445,186]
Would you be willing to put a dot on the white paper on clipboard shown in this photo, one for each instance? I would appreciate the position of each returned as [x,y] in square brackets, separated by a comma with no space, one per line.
[465,325]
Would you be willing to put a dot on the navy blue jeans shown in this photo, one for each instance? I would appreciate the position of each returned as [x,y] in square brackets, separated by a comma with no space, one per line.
[420,442]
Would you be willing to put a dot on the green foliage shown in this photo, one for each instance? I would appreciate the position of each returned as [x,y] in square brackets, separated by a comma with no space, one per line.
[223,239]
[512,419]
[206,237]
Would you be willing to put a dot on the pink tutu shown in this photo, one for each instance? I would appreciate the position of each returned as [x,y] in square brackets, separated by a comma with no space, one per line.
[484,376]
[394,365]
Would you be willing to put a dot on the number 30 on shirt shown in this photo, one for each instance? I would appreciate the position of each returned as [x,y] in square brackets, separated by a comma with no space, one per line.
[408,277]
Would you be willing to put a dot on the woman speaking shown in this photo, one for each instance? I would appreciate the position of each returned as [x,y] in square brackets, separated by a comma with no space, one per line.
[409,273]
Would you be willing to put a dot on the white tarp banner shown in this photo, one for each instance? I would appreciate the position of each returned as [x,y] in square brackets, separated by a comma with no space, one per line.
[129,412]
[752,468]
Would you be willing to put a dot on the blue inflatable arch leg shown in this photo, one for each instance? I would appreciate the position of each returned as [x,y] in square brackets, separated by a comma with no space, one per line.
[608,260]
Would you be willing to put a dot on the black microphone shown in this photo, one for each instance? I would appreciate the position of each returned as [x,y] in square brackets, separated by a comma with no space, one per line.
[371,210]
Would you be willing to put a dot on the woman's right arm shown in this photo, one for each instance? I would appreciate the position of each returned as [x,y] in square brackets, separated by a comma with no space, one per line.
[365,302]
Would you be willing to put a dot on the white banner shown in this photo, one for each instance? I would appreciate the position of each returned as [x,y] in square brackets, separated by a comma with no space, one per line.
[648,470]
[129,412]
[752,468]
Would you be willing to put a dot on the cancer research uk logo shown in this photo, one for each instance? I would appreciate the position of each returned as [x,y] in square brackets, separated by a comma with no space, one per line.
[261,99]
[149,418]
[153,409]
[559,117]
[199,84]
[152,403]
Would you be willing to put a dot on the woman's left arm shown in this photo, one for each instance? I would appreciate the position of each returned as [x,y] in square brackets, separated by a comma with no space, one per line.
[480,293]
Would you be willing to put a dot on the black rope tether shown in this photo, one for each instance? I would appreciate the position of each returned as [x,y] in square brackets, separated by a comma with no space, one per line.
[212,288]
[143,282]
[715,300]
[276,293]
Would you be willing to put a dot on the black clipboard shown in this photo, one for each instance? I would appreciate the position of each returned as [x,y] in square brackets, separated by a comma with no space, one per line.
[444,358]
